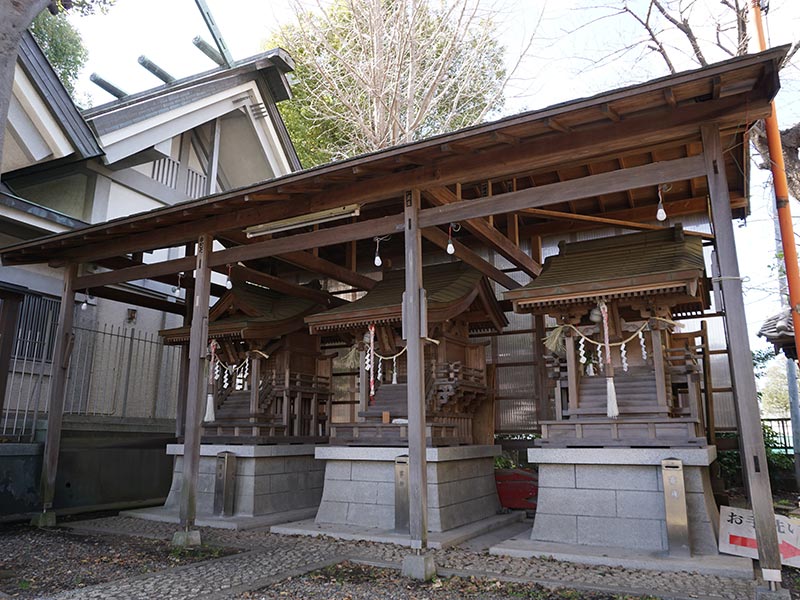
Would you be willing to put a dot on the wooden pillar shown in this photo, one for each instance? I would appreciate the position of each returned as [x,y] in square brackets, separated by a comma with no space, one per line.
[58,387]
[740,358]
[9,312]
[658,363]
[414,326]
[573,375]
[196,388]
[255,381]
[363,381]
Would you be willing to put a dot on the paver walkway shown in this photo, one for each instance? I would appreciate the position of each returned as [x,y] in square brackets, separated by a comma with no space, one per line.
[269,557]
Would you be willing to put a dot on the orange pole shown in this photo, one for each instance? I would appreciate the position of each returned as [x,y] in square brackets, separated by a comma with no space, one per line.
[784,211]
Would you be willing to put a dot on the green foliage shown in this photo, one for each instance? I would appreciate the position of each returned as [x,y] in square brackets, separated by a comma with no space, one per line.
[730,461]
[761,359]
[373,74]
[62,45]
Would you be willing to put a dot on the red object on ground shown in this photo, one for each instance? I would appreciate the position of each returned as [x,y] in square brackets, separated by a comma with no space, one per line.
[517,488]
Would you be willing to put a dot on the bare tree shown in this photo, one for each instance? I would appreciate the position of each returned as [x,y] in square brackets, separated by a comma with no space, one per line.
[681,32]
[373,73]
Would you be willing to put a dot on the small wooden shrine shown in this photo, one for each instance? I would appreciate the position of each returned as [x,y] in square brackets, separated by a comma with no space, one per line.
[460,301]
[778,330]
[630,378]
[269,381]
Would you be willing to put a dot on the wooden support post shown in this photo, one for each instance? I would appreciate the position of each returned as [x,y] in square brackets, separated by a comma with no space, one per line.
[544,410]
[287,401]
[658,364]
[708,386]
[58,387]
[741,360]
[9,312]
[255,381]
[183,385]
[363,381]
[196,388]
[413,328]
[572,373]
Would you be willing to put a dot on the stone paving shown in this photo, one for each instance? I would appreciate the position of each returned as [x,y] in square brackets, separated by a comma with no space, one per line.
[269,557]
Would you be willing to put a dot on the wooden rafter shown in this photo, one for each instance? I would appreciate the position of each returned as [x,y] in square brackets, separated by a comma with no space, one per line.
[440,238]
[281,285]
[483,230]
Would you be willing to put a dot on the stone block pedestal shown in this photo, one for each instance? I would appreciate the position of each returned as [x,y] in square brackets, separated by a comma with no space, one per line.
[360,486]
[610,497]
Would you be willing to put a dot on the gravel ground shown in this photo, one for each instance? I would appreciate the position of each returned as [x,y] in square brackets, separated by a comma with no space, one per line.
[38,562]
[350,581]
[130,558]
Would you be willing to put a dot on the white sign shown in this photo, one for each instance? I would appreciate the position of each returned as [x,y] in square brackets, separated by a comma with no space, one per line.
[737,535]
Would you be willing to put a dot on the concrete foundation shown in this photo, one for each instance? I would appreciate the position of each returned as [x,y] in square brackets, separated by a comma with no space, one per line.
[614,498]
[360,486]
[272,484]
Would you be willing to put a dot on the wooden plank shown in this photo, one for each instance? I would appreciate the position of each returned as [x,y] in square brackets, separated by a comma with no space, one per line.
[572,371]
[440,238]
[575,189]
[315,264]
[413,329]
[658,364]
[255,381]
[136,299]
[196,386]
[281,285]
[739,355]
[167,267]
[58,387]
[442,197]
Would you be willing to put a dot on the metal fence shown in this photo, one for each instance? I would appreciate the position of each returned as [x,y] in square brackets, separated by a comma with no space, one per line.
[782,428]
[113,372]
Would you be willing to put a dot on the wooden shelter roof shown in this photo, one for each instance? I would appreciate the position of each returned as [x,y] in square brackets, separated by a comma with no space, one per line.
[249,311]
[452,290]
[652,262]
[778,330]
[635,126]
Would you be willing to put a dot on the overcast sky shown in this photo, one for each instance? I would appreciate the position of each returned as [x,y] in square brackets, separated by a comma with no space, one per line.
[563,65]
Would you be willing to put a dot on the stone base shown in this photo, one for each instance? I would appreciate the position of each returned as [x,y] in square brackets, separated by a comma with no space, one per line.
[186,539]
[44,519]
[360,486]
[419,566]
[606,497]
[270,480]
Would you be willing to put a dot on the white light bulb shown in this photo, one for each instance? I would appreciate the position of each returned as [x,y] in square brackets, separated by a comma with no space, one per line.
[378,261]
[229,284]
[661,214]
[84,305]
[450,248]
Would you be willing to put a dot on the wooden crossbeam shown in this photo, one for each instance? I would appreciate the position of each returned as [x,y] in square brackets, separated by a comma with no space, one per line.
[315,264]
[554,214]
[239,273]
[441,196]
[574,189]
[131,297]
[440,238]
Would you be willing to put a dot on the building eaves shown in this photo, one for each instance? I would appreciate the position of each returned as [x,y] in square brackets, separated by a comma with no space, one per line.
[276,59]
[9,199]
[43,77]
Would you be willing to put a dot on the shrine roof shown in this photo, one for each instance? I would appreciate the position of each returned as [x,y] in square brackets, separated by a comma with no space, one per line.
[665,261]
[250,311]
[451,289]
[779,331]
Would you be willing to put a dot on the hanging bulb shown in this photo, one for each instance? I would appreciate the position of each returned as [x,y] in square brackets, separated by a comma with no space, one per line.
[450,248]
[176,291]
[229,284]
[378,261]
[84,305]
[661,214]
